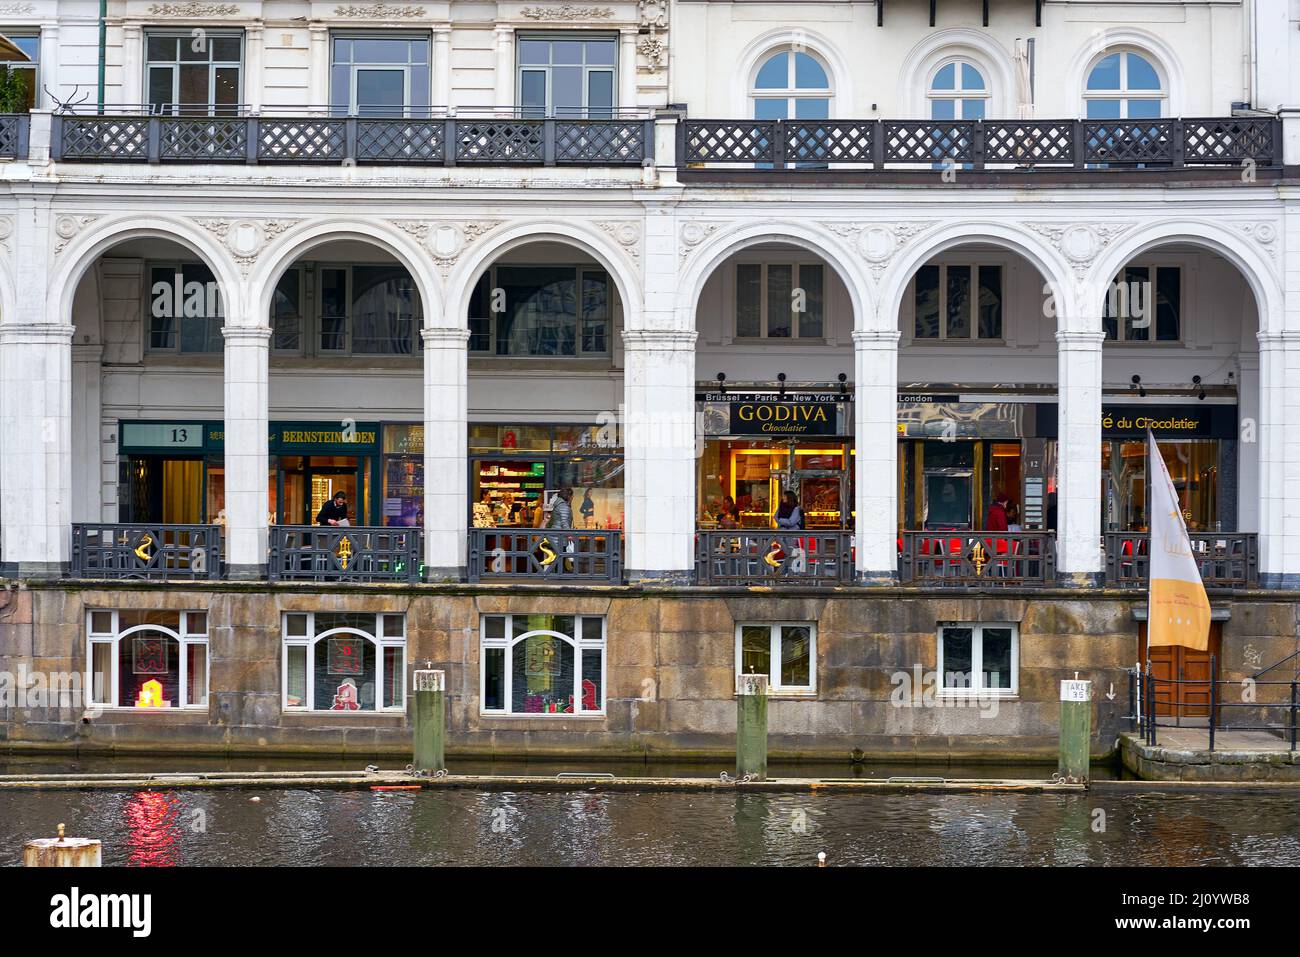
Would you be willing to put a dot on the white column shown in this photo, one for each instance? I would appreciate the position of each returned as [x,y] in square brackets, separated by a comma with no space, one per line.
[1276,48]
[1279,459]
[254,76]
[318,72]
[247,373]
[505,92]
[626,69]
[132,66]
[441,67]
[875,435]
[1078,494]
[48,71]
[87,413]
[659,453]
[1248,474]
[35,446]
[446,439]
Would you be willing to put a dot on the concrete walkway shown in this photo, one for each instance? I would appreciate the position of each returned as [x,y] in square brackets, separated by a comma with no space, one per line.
[1198,739]
[1183,754]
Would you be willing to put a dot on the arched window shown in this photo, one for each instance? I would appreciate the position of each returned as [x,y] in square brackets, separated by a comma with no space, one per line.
[791,85]
[542,664]
[1123,85]
[149,660]
[958,91]
[344,662]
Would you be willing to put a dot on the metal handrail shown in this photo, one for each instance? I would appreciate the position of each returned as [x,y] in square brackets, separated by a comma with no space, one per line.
[1152,721]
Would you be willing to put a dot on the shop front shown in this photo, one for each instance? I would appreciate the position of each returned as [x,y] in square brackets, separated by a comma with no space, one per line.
[516,472]
[1198,441]
[759,446]
[957,456]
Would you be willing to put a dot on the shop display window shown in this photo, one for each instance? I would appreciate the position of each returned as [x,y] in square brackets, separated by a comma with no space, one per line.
[147,660]
[1193,466]
[740,482]
[342,662]
[404,475]
[542,664]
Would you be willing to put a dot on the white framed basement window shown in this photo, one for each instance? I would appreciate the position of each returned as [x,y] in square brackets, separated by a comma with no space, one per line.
[785,651]
[979,658]
[542,665]
[340,662]
[147,660]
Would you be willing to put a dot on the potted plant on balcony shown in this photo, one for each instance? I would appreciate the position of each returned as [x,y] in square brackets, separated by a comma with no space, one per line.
[13,91]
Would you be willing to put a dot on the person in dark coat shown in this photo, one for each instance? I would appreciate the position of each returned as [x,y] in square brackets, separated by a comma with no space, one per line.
[333,512]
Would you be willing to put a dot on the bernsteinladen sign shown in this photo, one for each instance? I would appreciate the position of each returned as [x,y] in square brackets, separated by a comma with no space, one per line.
[803,413]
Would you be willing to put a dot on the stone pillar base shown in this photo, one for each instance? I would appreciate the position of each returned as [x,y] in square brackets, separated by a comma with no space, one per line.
[450,573]
[34,569]
[887,577]
[245,573]
[657,577]
[1081,579]
[1279,581]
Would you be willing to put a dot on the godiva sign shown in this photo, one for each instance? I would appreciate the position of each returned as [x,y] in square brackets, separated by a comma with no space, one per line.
[776,415]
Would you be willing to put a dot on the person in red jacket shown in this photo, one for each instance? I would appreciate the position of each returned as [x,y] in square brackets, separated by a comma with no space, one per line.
[996,520]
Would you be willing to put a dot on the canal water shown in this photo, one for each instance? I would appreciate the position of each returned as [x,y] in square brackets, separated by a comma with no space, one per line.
[309,827]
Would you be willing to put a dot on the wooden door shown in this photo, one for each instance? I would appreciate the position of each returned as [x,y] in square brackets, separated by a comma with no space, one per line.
[1174,662]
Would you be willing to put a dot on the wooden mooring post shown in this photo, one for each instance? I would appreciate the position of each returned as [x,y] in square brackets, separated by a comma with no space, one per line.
[62,852]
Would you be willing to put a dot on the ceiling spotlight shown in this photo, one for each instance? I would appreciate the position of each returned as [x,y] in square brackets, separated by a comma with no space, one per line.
[843,383]
[1200,389]
[722,377]
[1136,383]
[780,377]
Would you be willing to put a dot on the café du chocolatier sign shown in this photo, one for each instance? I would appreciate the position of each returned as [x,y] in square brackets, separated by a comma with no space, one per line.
[774,414]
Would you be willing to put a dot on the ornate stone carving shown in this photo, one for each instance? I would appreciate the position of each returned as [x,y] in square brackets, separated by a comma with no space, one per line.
[654,48]
[653,13]
[246,238]
[17,9]
[66,227]
[1264,235]
[627,234]
[378,11]
[446,241]
[194,9]
[692,234]
[567,11]
[878,244]
[1080,243]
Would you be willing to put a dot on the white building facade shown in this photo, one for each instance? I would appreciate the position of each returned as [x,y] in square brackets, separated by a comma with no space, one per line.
[450,258]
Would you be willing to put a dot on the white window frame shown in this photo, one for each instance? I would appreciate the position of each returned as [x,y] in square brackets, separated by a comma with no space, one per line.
[579,643]
[791,93]
[587,70]
[406,68]
[958,93]
[774,685]
[796,269]
[1123,93]
[611,320]
[380,638]
[185,638]
[1121,326]
[28,33]
[974,266]
[977,660]
[187,36]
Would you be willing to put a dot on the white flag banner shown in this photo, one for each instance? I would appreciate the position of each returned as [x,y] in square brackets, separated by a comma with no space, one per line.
[1178,611]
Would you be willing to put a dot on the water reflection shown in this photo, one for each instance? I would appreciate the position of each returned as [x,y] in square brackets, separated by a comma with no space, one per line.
[462,827]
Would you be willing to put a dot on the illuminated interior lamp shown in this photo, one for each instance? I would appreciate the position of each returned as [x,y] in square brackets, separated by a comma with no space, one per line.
[150,695]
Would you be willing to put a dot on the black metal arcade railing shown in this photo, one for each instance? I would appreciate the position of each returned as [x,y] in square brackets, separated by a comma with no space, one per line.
[1254,703]
[761,557]
[548,554]
[320,554]
[160,552]
[977,558]
[421,140]
[982,144]
[15,130]
[1225,559]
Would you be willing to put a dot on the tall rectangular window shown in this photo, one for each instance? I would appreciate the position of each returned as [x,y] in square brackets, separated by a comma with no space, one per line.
[1144,304]
[567,75]
[957,301]
[24,62]
[979,657]
[374,74]
[185,309]
[188,74]
[780,300]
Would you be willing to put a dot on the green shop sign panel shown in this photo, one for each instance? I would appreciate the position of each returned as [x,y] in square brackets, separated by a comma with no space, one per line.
[285,438]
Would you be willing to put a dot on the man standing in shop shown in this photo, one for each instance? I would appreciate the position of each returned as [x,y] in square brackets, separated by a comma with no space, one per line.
[334,512]
[562,517]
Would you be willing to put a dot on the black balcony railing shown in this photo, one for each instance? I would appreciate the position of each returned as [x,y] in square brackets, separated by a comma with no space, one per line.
[982,144]
[548,554]
[1225,559]
[165,552]
[424,140]
[15,129]
[320,554]
[977,558]
[759,557]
